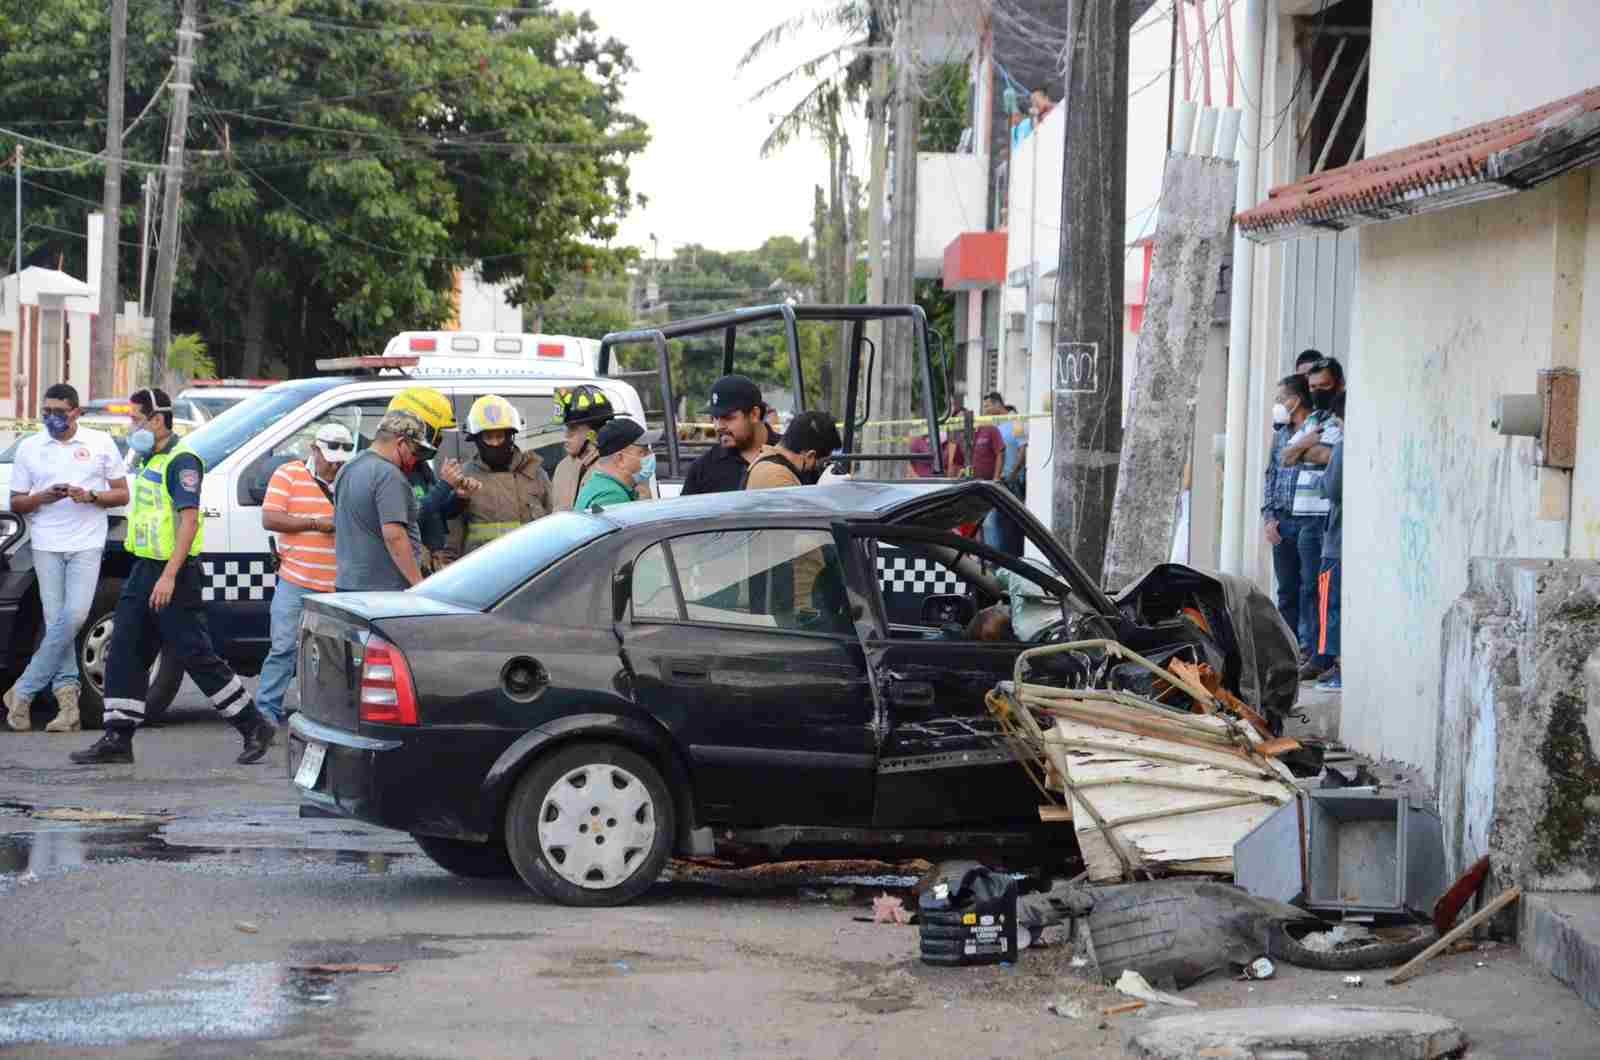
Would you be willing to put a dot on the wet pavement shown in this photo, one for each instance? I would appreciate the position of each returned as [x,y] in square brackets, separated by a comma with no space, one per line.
[181,907]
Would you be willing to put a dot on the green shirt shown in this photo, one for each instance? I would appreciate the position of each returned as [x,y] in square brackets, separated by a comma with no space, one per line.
[600,488]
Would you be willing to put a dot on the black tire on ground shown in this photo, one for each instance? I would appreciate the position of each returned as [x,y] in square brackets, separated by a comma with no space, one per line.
[94,640]
[634,804]
[1285,947]
[478,861]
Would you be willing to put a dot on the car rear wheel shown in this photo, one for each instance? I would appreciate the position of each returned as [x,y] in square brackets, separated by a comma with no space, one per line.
[590,825]
[94,648]
[478,861]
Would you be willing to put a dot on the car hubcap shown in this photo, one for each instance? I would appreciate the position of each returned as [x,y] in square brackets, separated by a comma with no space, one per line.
[96,650]
[597,825]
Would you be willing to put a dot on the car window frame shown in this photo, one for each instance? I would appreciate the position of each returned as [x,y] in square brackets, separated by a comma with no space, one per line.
[626,570]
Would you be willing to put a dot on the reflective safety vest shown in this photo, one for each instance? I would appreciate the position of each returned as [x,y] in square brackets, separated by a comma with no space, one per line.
[152,521]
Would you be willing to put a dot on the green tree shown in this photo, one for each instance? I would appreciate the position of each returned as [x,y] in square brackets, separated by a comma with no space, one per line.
[344,158]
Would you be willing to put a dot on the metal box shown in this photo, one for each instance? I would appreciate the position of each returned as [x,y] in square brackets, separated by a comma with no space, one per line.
[1357,852]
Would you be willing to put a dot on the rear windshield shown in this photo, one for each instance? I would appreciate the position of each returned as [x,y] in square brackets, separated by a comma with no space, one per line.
[488,575]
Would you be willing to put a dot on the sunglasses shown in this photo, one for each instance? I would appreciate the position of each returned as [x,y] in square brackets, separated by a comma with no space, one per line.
[338,447]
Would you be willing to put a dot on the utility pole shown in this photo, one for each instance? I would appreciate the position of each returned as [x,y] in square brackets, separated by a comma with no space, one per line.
[16,159]
[167,253]
[900,352]
[105,340]
[1086,373]
[877,164]
[147,212]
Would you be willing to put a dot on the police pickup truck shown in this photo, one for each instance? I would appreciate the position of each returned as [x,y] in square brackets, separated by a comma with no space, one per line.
[245,445]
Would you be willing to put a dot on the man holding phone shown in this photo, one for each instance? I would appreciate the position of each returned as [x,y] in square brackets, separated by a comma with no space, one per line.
[63,480]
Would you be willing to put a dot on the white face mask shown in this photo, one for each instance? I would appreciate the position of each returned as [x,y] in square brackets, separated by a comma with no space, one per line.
[1280,414]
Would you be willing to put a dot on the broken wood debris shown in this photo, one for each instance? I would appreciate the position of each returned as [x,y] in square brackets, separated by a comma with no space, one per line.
[1412,967]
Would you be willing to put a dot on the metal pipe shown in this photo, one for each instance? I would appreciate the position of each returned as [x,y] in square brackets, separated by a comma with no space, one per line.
[1344,110]
[1241,305]
[791,333]
[669,415]
[1205,53]
[1233,62]
[1181,19]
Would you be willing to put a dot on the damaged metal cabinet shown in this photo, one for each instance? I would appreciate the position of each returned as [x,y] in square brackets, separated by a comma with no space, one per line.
[1349,852]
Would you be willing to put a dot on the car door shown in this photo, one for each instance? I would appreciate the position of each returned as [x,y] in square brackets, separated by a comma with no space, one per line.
[741,642]
[942,761]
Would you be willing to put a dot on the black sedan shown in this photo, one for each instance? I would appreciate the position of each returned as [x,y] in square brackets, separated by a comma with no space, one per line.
[788,670]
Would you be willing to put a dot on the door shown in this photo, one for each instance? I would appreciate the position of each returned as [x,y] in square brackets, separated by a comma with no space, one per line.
[741,642]
[943,761]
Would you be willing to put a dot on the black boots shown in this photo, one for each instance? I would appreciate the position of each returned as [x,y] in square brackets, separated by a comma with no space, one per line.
[116,745]
[258,732]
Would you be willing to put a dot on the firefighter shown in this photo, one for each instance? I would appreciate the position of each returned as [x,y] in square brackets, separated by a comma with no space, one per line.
[582,410]
[160,606]
[434,498]
[513,489]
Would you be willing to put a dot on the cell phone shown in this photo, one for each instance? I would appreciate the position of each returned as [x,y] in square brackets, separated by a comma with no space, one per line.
[60,489]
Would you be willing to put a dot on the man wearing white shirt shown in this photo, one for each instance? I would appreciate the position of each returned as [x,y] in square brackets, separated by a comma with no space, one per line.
[63,479]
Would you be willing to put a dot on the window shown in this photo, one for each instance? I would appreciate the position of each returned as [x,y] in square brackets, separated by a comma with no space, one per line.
[490,573]
[762,579]
[360,417]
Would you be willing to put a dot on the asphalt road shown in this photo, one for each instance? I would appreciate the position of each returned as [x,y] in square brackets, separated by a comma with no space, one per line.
[182,926]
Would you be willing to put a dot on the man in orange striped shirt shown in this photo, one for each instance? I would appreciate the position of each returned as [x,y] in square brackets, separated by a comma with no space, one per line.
[299,509]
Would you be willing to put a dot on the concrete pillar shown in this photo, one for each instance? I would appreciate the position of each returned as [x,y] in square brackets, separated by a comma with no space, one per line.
[1519,779]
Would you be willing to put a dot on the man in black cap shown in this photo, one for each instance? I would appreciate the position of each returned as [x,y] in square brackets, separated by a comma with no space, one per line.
[799,456]
[738,411]
[626,463]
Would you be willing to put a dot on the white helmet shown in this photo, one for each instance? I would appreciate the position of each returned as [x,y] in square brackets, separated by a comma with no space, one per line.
[493,413]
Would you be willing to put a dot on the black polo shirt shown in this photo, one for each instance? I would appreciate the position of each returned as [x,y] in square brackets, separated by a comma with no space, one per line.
[720,469]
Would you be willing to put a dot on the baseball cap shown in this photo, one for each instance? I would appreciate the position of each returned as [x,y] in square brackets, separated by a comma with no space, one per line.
[734,393]
[620,433]
[335,443]
[408,425]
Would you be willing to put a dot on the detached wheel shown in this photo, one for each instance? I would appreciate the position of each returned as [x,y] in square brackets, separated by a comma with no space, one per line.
[590,825]
[94,648]
[478,861]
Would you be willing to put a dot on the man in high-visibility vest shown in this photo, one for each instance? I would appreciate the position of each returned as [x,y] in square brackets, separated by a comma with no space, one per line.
[160,606]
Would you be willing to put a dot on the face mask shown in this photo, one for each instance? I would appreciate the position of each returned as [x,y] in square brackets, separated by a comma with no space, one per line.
[647,469]
[812,475]
[408,459]
[142,442]
[56,423]
[496,457]
[1280,414]
[1322,400]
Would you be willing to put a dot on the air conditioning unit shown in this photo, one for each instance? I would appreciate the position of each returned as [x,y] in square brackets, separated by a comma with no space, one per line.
[1017,322]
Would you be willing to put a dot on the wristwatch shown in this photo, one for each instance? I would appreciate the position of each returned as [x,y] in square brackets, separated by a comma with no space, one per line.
[94,498]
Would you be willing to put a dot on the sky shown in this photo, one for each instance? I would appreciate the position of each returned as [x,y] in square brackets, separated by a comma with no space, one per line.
[703,171]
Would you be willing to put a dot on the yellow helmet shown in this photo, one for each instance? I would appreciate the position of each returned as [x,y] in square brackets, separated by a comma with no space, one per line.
[429,406]
[493,413]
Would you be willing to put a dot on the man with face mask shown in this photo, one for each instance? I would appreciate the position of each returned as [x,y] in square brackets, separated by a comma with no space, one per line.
[626,464]
[377,541]
[62,481]
[160,608]
[800,455]
[1280,525]
[512,490]
[582,410]
[1307,453]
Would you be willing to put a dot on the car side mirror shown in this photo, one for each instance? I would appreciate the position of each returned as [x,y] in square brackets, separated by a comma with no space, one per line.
[948,609]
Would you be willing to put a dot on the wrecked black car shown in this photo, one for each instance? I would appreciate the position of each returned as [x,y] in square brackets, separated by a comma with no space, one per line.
[795,671]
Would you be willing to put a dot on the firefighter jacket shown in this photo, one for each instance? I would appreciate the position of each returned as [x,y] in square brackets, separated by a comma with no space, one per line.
[570,476]
[508,500]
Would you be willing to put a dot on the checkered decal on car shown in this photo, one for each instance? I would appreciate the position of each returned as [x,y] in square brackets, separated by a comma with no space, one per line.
[898,574]
[236,579]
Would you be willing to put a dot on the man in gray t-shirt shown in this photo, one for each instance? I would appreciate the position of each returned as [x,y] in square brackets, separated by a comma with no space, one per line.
[377,543]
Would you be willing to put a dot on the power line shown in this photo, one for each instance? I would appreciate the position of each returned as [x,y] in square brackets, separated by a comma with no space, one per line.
[89,156]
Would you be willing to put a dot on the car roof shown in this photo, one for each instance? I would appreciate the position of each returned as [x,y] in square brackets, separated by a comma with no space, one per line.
[849,500]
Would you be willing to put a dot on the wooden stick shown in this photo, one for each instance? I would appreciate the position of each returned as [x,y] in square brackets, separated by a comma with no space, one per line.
[1055,814]
[1413,966]
[1126,1006]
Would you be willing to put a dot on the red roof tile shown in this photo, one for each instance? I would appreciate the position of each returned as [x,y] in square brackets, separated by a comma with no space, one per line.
[1401,181]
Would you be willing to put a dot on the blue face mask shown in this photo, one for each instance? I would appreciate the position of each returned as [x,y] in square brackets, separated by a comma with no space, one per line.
[56,423]
[647,469]
[142,442]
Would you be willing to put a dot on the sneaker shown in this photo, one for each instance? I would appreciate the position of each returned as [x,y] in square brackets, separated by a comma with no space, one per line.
[115,746]
[1312,670]
[1331,681]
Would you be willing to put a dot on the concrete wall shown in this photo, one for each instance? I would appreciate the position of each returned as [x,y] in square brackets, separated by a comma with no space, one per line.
[1443,65]
[1452,310]
[951,198]
[1584,528]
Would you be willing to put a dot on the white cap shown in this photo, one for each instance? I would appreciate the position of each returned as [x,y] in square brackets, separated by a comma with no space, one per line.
[337,434]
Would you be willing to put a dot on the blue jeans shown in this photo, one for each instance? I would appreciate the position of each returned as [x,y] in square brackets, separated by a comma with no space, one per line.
[288,600]
[1296,561]
[67,581]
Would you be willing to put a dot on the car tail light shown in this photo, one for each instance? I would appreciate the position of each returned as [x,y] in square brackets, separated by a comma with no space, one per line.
[551,349]
[388,696]
[421,345]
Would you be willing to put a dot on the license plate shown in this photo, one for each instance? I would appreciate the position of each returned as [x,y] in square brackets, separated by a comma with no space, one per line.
[311,765]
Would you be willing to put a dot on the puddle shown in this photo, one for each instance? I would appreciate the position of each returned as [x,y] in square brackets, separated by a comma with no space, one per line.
[241,1001]
[26,857]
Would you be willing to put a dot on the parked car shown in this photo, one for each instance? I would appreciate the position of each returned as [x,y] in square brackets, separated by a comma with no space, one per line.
[788,669]
[206,399]
[241,449]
